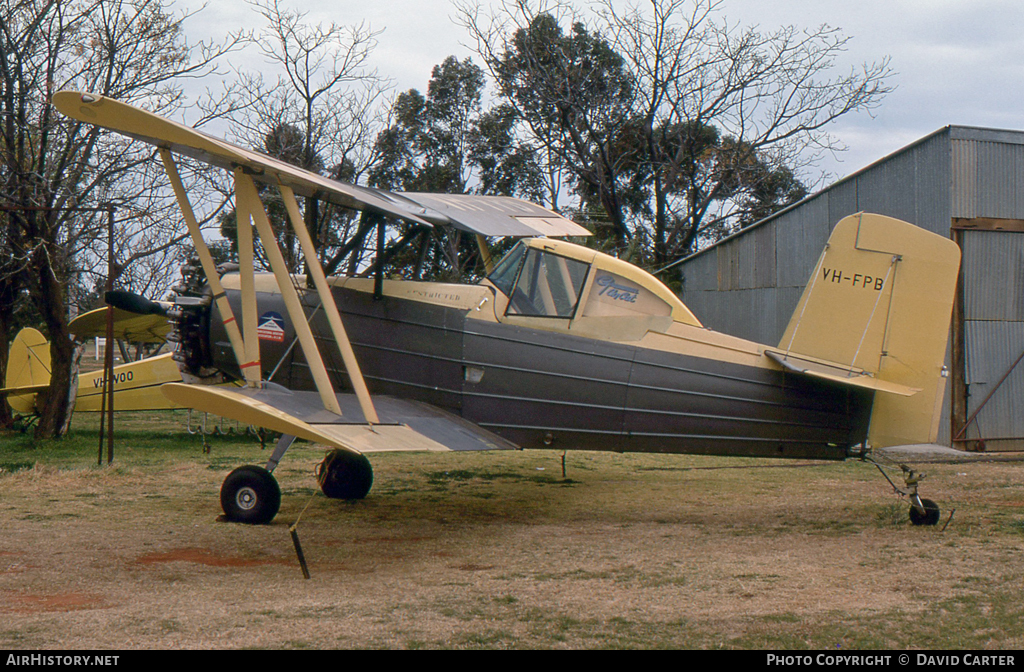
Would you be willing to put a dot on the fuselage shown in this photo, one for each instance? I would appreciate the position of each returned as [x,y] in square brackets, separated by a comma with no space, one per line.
[609,372]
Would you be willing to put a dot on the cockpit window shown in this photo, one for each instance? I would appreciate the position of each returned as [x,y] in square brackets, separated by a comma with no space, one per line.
[549,285]
[504,274]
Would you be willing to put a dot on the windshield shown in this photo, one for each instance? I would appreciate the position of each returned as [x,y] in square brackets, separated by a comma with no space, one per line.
[504,274]
[549,285]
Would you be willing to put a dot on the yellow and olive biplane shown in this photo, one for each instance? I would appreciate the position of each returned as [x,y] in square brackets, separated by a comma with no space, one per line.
[559,347]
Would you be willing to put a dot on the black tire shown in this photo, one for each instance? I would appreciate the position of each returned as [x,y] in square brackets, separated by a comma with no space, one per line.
[929,517]
[345,475]
[250,495]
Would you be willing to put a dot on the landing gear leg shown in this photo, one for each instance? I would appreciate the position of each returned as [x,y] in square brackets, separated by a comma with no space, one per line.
[922,511]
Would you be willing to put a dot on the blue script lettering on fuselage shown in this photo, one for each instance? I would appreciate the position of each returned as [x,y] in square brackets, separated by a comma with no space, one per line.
[617,292]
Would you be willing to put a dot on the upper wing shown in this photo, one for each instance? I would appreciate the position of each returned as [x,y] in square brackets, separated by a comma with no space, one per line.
[404,425]
[162,132]
[494,215]
[487,215]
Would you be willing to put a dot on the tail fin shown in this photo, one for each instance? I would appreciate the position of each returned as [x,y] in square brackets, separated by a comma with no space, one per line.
[880,300]
[28,369]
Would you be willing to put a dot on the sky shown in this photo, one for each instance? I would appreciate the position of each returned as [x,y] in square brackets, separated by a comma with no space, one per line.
[955,62]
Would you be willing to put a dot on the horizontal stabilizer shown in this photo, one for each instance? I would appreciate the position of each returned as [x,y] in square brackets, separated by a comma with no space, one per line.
[25,389]
[837,373]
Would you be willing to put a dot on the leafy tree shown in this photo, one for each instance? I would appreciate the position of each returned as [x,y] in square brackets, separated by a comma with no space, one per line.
[506,164]
[675,126]
[444,142]
[575,94]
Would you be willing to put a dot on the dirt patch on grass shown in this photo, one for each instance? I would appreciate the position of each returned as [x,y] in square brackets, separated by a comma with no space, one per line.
[629,551]
[32,603]
[202,556]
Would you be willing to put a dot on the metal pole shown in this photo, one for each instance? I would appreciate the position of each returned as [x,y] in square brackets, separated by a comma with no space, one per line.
[103,400]
[110,337]
[378,276]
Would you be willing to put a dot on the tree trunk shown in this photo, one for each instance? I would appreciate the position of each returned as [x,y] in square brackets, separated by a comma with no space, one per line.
[8,291]
[56,403]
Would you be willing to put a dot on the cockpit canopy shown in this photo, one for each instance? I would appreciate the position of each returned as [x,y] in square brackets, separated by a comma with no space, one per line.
[555,279]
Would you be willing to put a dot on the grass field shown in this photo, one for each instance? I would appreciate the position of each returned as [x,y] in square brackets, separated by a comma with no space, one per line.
[498,550]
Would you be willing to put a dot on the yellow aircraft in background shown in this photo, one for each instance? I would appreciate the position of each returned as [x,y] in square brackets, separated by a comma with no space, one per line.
[559,347]
[136,384]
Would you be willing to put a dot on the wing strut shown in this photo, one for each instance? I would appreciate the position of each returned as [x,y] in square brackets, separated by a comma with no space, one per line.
[247,194]
[330,308]
[250,363]
[209,267]
[485,253]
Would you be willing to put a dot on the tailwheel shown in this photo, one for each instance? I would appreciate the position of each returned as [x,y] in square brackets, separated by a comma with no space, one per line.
[345,475]
[922,511]
[927,514]
[250,495]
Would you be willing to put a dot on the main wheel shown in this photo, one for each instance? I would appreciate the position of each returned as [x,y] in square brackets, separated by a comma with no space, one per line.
[930,515]
[345,475]
[250,495]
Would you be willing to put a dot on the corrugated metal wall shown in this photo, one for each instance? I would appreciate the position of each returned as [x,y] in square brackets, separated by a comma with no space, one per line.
[989,184]
[993,270]
[748,285]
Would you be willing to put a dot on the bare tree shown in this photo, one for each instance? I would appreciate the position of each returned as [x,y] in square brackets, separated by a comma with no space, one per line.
[324,97]
[51,167]
[770,96]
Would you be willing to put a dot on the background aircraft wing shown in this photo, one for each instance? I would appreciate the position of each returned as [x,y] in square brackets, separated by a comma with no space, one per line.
[404,425]
[128,326]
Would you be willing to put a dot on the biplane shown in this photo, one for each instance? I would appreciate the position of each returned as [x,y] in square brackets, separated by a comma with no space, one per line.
[560,346]
[136,383]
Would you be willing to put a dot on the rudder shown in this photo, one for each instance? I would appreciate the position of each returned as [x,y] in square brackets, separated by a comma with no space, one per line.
[880,301]
[28,366]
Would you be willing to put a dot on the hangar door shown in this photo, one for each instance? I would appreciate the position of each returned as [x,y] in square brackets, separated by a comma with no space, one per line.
[993,337]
